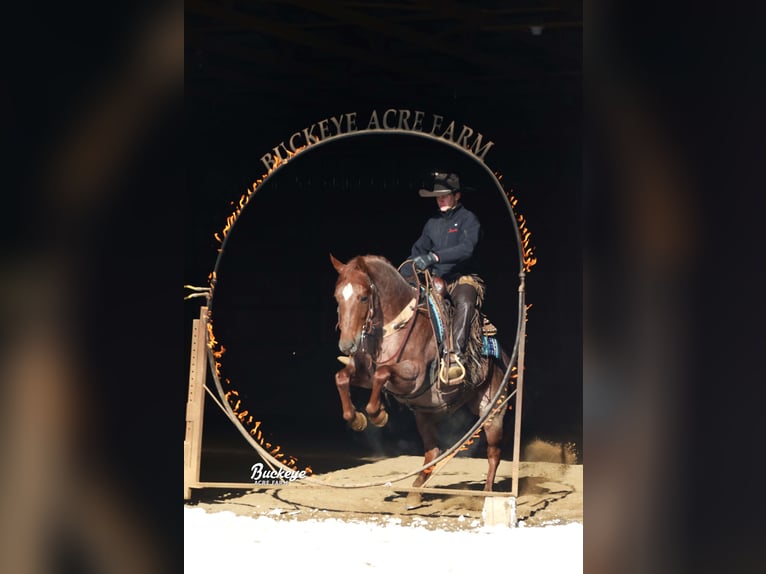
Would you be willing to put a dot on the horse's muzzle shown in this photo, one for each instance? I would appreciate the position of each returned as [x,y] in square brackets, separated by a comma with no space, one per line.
[348,347]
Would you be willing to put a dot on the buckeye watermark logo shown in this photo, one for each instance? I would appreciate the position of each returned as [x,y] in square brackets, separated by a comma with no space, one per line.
[259,475]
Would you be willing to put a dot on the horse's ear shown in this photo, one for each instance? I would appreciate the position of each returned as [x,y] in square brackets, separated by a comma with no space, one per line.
[337,264]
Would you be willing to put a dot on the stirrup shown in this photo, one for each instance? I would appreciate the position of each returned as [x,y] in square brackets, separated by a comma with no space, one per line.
[455,373]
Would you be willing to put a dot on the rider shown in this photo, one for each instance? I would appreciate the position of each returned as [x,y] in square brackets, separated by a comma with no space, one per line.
[447,247]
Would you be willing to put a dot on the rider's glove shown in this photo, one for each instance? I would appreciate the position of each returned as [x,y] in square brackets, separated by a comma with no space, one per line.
[424,261]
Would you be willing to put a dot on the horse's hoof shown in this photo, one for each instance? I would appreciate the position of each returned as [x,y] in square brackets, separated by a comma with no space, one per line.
[381,420]
[359,423]
[345,360]
[414,499]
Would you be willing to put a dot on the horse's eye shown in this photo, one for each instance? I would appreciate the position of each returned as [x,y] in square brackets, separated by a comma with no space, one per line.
[363,299]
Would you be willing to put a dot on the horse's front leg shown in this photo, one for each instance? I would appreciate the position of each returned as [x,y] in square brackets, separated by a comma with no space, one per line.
[356,373]
[403,373]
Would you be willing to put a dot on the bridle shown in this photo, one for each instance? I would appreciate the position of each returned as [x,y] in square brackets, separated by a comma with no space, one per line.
[370,326]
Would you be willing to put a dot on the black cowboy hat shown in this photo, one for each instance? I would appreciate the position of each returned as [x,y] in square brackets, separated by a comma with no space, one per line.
[444,184]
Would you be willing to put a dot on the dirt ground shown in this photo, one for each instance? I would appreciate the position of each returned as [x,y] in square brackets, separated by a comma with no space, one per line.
[550,492]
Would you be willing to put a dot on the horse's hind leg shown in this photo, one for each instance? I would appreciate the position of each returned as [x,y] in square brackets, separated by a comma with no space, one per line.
[426,424]
[494,434]
[493,430]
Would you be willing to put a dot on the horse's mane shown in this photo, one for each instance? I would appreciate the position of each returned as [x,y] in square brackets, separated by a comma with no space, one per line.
[381,271]
[361,261]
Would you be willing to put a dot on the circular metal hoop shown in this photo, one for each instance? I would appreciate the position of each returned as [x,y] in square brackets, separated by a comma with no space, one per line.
[526,261]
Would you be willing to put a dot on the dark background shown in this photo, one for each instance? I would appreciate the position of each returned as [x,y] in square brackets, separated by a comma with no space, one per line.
[257,74]
[100,228]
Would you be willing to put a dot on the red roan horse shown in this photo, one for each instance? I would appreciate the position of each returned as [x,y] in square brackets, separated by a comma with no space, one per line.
[391,345]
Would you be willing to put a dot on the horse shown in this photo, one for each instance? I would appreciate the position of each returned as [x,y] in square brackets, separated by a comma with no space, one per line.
[389,344]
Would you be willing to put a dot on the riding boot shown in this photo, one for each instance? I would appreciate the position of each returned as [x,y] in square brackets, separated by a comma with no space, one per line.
[462,319]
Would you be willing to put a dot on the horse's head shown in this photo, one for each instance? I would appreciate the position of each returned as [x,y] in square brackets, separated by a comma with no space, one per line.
[354,294]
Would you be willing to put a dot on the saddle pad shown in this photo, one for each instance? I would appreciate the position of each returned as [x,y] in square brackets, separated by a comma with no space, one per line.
[490,347]
[437,319]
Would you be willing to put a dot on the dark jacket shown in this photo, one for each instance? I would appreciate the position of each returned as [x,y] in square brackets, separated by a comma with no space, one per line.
[453,236]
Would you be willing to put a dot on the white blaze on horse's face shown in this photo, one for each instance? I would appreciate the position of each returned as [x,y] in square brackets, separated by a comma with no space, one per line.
[353,309]
[347,291]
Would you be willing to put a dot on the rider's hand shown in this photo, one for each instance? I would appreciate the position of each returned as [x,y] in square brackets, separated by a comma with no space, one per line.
[424,261]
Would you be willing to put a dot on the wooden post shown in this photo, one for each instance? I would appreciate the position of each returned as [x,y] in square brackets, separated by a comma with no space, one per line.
[519,390]
[499,511]
[195,404]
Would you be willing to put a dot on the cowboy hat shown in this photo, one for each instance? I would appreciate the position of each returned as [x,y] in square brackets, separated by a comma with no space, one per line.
[444,184]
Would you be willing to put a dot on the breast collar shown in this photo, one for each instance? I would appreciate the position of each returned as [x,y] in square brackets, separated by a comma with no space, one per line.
[401,319]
